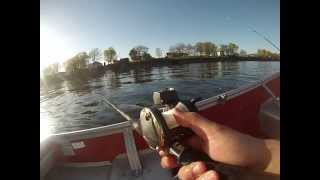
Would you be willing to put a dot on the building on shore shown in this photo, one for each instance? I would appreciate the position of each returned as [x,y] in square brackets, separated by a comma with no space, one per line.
[176,54]
[124,60]
[95,65]
[252,55]
[221,53]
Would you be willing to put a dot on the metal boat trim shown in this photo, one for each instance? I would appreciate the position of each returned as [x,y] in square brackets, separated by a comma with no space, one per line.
[87,164]
[207,103]
[93,132]
[119,127]
[66,140]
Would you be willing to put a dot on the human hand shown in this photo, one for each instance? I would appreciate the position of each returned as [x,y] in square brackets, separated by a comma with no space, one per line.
[221,144]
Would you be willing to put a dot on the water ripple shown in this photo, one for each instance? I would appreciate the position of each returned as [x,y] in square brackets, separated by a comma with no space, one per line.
[75,105]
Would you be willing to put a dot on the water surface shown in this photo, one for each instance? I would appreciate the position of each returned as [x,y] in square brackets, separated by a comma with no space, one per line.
[75,105]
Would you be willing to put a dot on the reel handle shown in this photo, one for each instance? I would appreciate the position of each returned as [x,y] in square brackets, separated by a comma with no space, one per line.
[186,155]
[190,155]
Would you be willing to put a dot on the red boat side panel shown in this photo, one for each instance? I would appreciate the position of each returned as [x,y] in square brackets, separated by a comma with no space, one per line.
[104,148]
[97,149]
[140,142]
[241,113]
[275,86]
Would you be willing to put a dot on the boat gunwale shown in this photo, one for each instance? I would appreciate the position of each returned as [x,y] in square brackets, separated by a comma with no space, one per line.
[212,101]
[120,127]
[93,132]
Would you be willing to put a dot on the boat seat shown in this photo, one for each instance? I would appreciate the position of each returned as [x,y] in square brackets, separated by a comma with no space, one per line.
[270,118]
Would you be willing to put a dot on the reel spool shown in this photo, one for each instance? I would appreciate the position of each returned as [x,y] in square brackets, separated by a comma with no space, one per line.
[159,128]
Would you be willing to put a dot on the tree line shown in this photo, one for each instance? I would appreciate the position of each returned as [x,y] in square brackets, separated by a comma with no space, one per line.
[141,53]
[205,49]
[81,60]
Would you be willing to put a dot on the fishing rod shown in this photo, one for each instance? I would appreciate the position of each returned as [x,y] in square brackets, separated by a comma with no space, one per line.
[258,33]
[123,114]
[158,127]
[265,38]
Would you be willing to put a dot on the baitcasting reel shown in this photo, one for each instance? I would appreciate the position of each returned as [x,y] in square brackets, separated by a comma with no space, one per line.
[158,125]
[160,129]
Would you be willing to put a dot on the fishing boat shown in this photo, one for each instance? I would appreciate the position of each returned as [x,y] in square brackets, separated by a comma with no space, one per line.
[117,151]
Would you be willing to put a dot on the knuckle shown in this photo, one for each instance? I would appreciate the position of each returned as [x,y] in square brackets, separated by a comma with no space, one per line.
[211,175]
[192,117]
[185,173]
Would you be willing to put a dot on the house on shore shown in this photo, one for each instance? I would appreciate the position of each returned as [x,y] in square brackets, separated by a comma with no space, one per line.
[221,53]
[95,65]
[176,54]
[252,55]
[61,75]
[135,59]
[124,60]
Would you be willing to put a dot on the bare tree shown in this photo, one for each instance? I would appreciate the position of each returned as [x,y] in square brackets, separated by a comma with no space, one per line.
[95,54]
[140,53]
[179,48]
[109,55]
[142,50]
[206,48]
[223,50]
[198,48]
[51,69]
[76,63]
[232,49]
[243,52]
[212,49]
[190,50]
[134,54]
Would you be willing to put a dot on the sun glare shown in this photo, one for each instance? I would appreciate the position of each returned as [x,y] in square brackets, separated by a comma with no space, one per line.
[45,127]
[53,47]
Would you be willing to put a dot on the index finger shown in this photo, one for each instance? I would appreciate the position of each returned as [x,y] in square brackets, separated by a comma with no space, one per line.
[200,125]
[169,162]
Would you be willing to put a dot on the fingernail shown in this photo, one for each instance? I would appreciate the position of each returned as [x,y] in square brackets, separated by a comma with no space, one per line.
[161,153]
[211,175]
[197,168]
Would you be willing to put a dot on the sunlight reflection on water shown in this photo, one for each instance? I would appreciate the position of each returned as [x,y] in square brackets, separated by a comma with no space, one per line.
[75,106]
[45,126]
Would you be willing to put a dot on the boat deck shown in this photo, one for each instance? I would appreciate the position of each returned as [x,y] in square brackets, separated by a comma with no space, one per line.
[80,173]
[270,118]
[118,170]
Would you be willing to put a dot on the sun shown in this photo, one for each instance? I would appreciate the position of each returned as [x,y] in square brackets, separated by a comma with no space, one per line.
[53,47]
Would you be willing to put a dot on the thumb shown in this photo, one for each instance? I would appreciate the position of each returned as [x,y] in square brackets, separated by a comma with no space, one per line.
[199,124]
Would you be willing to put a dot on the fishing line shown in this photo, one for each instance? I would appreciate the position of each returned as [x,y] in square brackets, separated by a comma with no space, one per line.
[135,124]
[123,114]
[258,33]
[265,38]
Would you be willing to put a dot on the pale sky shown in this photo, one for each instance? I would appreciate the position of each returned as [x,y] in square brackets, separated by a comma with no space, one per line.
[72,26]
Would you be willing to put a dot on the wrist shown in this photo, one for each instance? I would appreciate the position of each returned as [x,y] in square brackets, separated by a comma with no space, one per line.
[273,164]
[260,155]
[267,157]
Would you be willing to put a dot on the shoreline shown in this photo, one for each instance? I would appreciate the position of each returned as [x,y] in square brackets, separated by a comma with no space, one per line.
[156,62]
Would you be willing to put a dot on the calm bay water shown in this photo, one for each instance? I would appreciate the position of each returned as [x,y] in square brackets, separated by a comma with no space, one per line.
[76,105]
